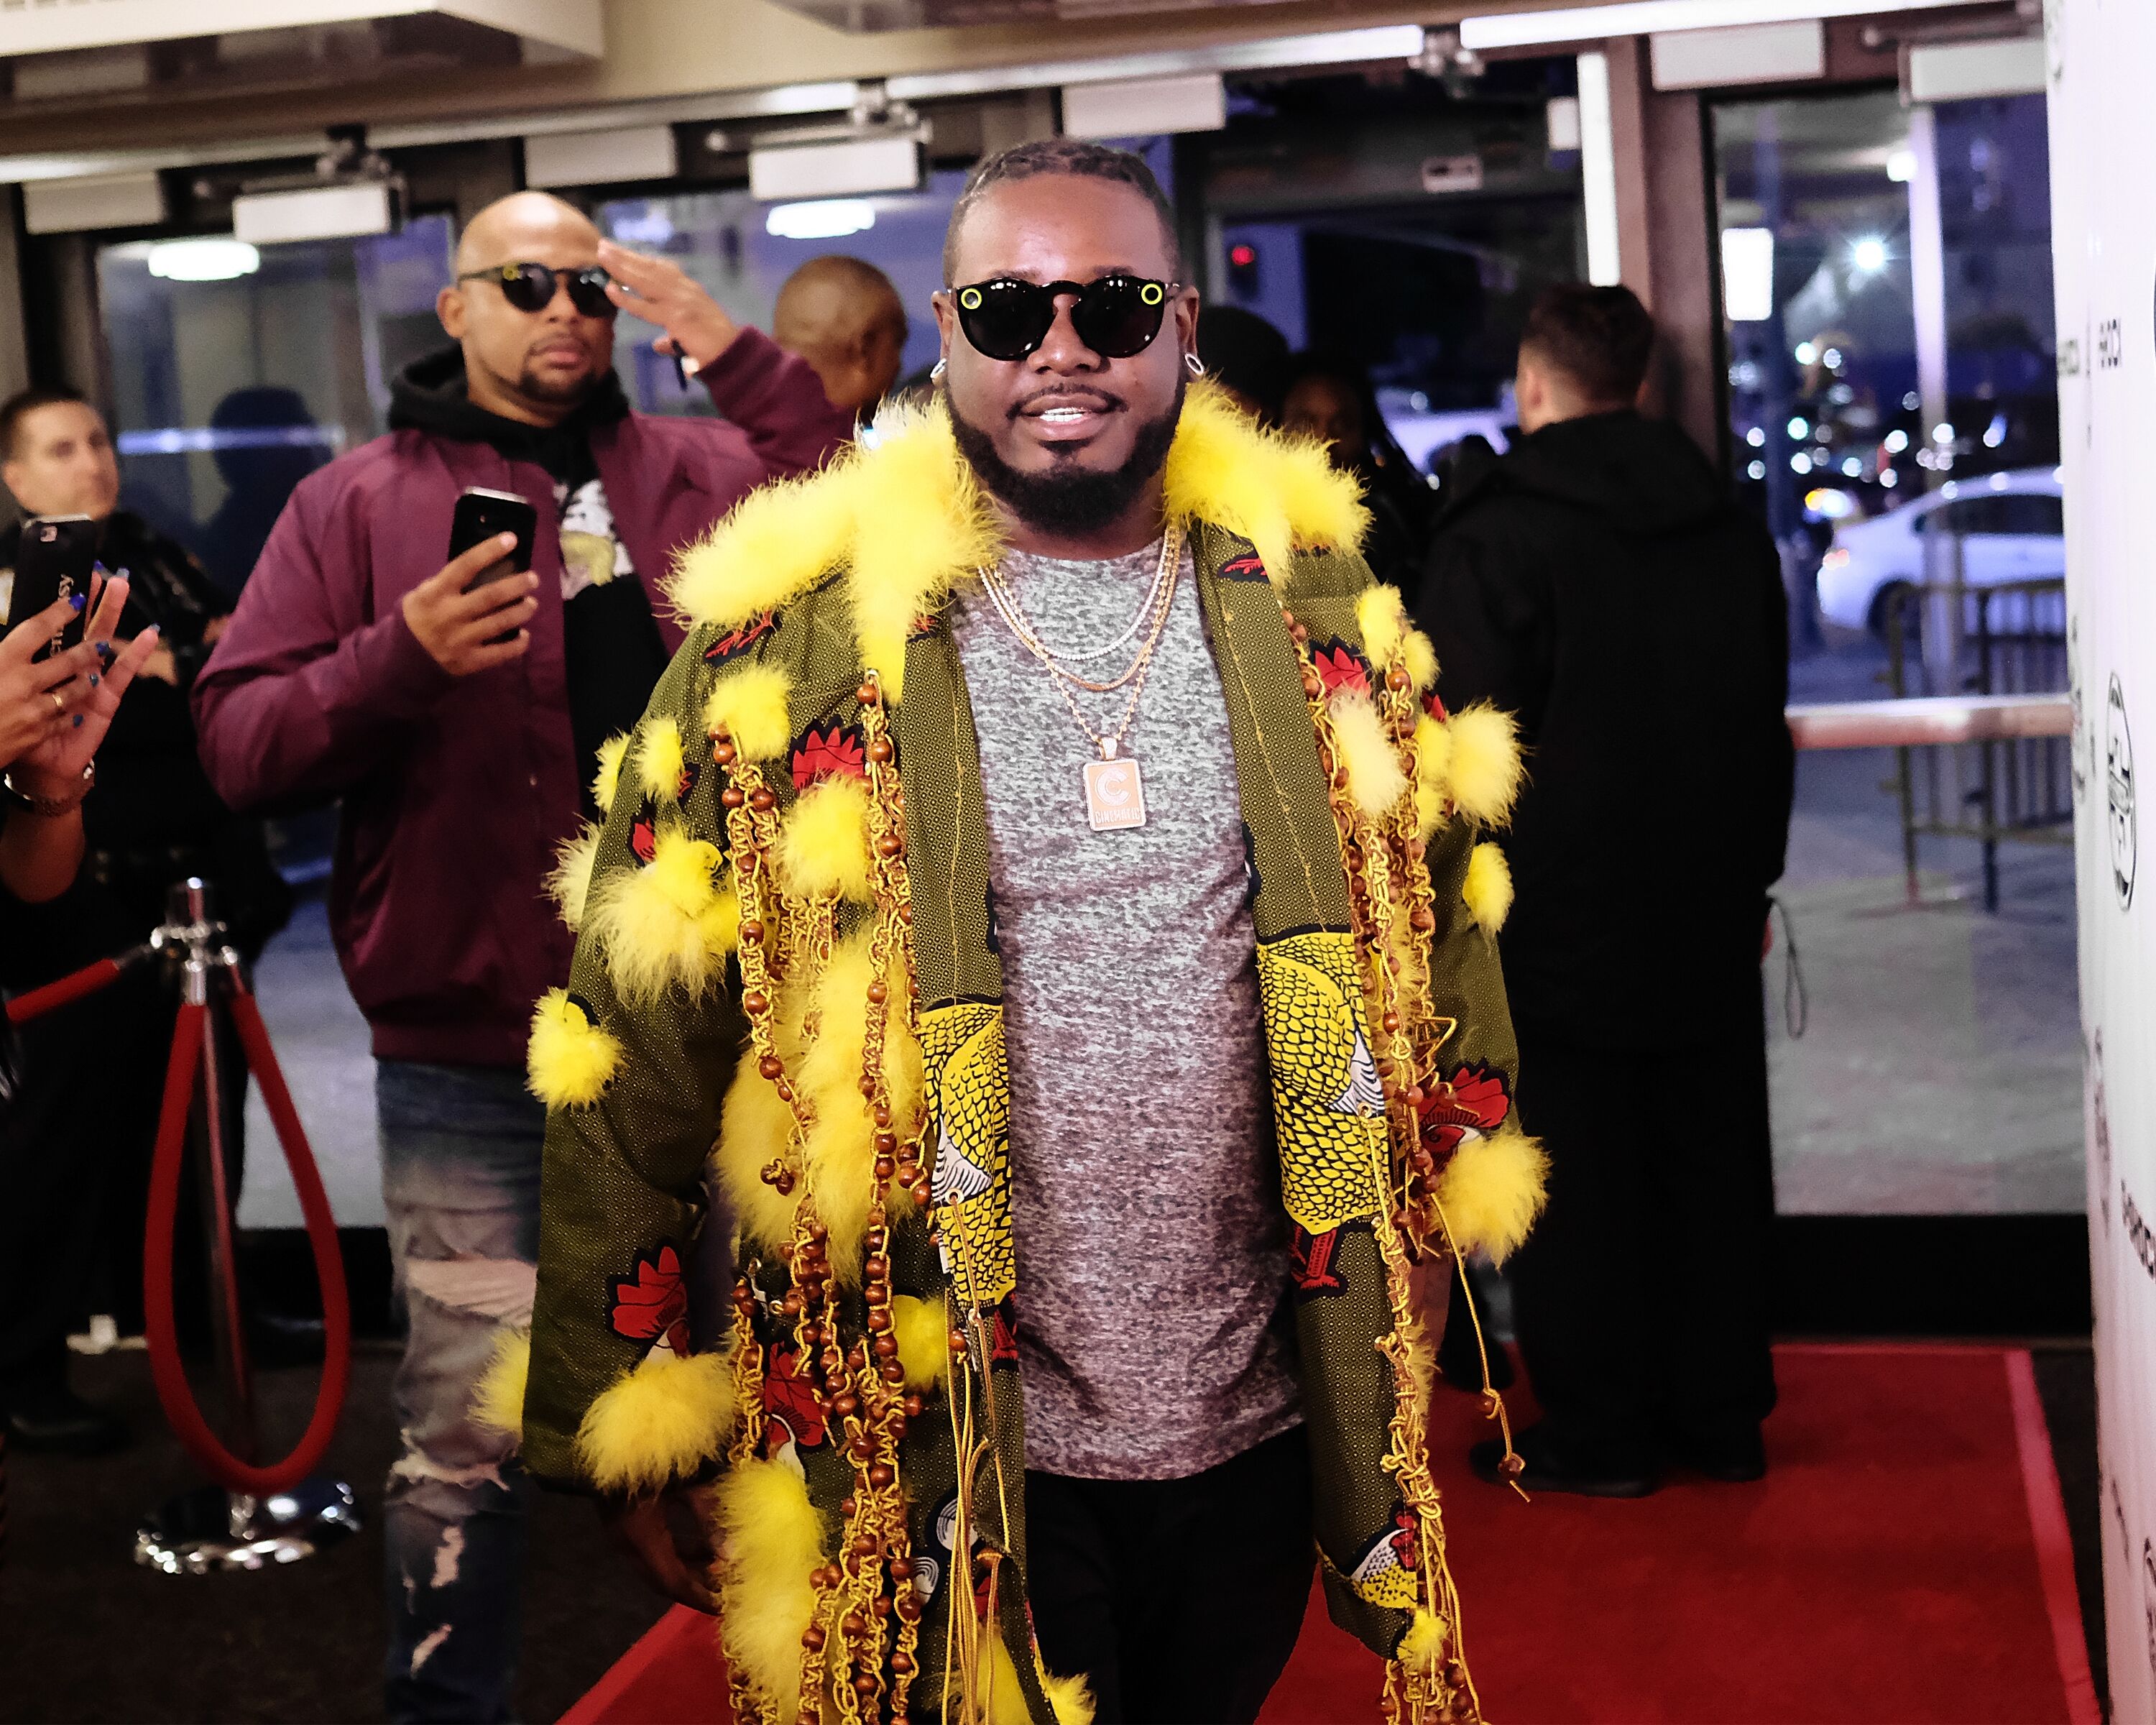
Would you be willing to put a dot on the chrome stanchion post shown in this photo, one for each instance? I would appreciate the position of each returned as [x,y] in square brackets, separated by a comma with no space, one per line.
[210,1527]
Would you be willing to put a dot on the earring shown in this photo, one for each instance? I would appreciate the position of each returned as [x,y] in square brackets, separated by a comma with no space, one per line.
[936,371]
[1194,365]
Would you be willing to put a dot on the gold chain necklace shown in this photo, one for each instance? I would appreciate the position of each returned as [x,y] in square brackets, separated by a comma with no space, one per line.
[1153,609]
[1115,791]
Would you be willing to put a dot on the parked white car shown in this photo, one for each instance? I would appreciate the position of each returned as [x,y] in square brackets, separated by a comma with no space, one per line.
[2011,527]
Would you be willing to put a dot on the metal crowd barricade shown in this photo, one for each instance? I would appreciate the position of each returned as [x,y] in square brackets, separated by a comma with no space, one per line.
[1947,638]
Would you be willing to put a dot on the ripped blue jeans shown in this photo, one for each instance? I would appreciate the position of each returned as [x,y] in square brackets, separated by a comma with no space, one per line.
[460,1153]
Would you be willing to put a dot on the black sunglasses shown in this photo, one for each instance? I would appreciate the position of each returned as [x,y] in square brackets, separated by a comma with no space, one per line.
[530,287]
[1116,316]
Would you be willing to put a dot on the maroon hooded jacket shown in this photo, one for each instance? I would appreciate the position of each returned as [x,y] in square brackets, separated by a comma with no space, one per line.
[458,791]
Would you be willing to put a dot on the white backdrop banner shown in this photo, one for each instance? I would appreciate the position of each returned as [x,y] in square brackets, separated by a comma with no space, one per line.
[2102,69]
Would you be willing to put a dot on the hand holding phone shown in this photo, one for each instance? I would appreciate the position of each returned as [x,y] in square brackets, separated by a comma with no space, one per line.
[53,561]
[469,614]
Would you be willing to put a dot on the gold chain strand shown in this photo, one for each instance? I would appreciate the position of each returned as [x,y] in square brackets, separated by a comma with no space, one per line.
[1378,900]
[1109,743]
[1159,600]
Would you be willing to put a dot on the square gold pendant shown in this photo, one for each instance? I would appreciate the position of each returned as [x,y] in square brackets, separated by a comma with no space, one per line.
[1115,794]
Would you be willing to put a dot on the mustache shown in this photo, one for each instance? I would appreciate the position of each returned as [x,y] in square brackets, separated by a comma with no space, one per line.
[1064,395]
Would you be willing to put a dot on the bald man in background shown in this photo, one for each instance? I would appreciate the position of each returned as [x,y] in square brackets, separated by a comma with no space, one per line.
[458,709]
[844,316]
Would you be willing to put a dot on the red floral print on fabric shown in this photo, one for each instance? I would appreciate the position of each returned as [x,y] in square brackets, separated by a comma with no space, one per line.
[1249,567]
[1473,1100]
[652,1304]
[739,641]
[644,837]
[791,1411]
[1003,1340]
[1340,666]
[1435,707]
[834,753]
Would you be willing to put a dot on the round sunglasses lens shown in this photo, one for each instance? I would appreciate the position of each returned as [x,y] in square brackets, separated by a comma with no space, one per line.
[1005,320]
[587,293]
[528,286]
[1117,316]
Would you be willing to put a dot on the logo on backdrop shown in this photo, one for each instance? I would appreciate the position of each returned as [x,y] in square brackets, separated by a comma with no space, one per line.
[2137,1231]
[2080,747]
[2118,785]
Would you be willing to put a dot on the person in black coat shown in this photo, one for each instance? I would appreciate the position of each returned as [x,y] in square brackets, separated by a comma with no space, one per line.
[1598,582]
[75,1171]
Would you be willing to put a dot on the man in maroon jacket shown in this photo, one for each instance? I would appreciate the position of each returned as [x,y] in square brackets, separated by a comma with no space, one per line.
[461,728]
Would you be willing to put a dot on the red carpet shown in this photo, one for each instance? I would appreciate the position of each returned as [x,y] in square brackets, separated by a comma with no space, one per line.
[1905,1561]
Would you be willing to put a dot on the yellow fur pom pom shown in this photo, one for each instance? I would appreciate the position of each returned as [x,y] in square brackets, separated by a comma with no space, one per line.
[608,777]
[659,757]
[570,1060]
[922,525]
[923,1329]
[773,1541]
[1487,891]
[571,882]
[748,704]
[1420,659]
[1069,1698]
[824,841]
[755,1126]
[653,924]
[1383,620]
[498,1402]
[1423,1648]
[1374,778]
[776,543]
[1274,491]
[1433,752]
[839,1151]
[1484,772]
[663,1420]
[1491,1191]
[1429,808]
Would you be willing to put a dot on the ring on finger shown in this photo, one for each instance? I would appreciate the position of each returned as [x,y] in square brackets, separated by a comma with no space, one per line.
[60,705]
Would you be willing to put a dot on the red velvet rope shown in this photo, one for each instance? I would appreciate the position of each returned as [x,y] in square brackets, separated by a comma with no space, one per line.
[38,1002]
[173,1391]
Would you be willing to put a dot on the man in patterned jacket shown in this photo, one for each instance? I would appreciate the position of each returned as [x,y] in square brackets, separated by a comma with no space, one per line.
[1042,876]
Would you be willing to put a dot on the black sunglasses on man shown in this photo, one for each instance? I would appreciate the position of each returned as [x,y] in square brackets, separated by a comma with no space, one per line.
[1116,316]
[530,287]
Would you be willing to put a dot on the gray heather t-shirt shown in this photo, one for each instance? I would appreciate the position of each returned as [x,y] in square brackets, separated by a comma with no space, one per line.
[1151,1249]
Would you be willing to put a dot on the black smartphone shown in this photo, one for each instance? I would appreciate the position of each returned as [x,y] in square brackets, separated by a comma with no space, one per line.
[480,515]
[53,561]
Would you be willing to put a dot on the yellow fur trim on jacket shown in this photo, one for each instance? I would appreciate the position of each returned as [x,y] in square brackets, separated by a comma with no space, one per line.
[1487,891]
[754,1126]
[1382,621]
[774,1541]
[823,842]
[838,1153]
[659,758]
[1374,778]
[1484,770]
[659,1424]
[498,1402]
[571,882]
[1491,1191]
[748,703]
[669,922]
[1420,659]
[1423,1648]
[1069,1699]
[570,1060]
[904,522]
[607,778]
[923,1329]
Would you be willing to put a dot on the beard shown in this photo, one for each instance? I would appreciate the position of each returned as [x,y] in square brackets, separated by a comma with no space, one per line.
[1067,500]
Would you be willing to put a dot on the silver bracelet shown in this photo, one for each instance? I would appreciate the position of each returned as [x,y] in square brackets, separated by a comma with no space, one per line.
[51,808]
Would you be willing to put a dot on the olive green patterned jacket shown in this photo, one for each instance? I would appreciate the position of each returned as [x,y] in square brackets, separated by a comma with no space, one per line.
[786,992]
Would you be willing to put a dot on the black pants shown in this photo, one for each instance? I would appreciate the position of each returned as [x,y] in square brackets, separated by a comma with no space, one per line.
[75,1162]
[1179,1599]
[1640,1298]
